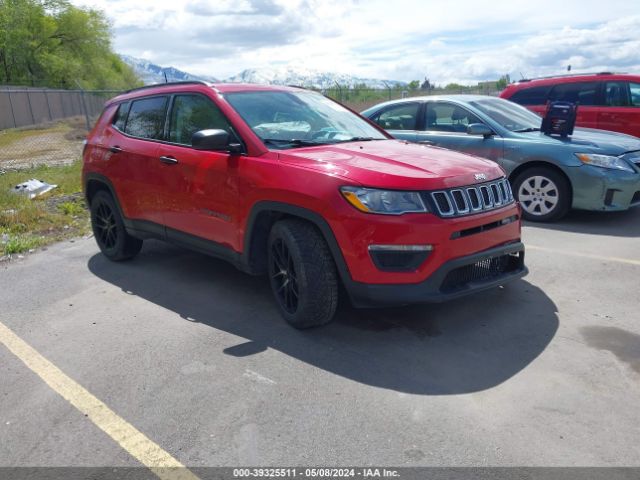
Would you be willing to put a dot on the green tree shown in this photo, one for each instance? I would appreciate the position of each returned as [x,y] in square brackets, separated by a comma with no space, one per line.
[414,84]
[55,44]
[454,86]
[503,82]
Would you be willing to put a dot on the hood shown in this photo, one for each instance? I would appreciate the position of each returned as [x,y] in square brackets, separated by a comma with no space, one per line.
[592,140]
[394,164]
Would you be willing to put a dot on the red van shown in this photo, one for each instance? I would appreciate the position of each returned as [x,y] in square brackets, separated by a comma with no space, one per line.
[608,101]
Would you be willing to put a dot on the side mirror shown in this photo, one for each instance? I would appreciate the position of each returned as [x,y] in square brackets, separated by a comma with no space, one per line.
[214,141]
[479,129]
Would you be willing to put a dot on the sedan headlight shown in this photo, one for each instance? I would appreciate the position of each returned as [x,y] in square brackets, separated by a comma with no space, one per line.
[604,161]
[386,202]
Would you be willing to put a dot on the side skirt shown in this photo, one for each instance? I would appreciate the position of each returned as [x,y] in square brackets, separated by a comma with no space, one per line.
[145,229]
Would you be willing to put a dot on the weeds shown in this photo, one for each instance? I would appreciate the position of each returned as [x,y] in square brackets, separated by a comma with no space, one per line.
[59,214]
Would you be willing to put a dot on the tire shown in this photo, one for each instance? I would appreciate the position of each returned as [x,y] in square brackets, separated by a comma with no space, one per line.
[108,229]
[543,193]
[302,274]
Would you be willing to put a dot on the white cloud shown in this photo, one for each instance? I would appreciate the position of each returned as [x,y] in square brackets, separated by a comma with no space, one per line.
[465,41]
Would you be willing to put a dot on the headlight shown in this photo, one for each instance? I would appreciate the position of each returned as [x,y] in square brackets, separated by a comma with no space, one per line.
[387,202]
[604,161]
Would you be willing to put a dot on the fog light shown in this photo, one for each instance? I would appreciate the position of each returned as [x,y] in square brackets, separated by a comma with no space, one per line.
[399,258]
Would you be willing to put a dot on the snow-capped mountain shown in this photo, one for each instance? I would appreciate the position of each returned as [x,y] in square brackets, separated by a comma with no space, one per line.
[288,75]
[151,73]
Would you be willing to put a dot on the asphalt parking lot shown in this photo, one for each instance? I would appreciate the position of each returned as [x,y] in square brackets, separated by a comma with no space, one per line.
[193,354]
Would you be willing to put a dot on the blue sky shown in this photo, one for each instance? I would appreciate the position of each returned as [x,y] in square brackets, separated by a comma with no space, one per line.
[464,41]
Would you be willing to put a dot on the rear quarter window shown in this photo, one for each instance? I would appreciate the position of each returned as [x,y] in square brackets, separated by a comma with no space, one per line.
[120,118]
[146,118]
[531,96]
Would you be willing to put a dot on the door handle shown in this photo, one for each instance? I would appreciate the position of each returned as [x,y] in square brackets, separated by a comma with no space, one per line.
[115,149]
[426,142]
[168,160]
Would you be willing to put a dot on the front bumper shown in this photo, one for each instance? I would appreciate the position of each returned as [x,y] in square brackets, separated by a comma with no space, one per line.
[602,189]
[453,279]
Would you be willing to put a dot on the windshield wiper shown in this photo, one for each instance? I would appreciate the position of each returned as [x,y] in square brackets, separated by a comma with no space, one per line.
[528,129]
[359,139]
[293,141]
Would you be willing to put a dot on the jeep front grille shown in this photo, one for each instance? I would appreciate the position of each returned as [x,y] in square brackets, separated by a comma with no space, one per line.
[456,202]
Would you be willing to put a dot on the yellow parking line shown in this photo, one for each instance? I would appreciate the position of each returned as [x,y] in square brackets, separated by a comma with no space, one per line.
[628,261]
[126,435]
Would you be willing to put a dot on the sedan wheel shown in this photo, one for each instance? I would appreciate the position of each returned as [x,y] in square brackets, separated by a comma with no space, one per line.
[538,195]
[543,193]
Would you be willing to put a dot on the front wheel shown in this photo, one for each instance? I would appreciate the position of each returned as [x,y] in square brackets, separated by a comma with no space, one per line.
[544,194]
[302,274]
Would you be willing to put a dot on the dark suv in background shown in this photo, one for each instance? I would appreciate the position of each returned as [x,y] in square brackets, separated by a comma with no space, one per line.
[608,101]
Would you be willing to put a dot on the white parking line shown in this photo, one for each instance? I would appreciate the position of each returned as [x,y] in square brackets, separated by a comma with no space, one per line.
[126,435]
[628,261]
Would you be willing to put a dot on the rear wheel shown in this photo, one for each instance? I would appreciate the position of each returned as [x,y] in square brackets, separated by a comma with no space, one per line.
[543,193]
[302,274]
[108,228]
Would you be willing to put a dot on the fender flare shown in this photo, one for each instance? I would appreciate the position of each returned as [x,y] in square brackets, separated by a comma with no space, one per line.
[296,211]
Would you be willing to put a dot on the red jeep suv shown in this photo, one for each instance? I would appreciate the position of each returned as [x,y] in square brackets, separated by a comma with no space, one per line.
[286,182]
[608,101]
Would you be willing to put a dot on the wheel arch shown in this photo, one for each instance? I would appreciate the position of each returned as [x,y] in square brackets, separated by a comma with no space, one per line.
[541,164]
[262,217]
[93,183]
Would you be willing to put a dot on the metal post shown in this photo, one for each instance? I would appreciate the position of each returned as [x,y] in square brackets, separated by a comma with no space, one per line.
[33,119]
[62,95]
[388,88]
[84,107]
[46,97]
[339,90]
[13,115]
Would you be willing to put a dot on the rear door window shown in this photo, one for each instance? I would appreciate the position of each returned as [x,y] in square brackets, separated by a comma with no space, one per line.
[146,118]
[531,96]
[399,117]
[447,117]
[616,94]
[192,113]
[584,93]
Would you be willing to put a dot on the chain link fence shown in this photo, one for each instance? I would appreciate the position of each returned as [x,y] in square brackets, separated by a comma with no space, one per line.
[45,126]
[360,99]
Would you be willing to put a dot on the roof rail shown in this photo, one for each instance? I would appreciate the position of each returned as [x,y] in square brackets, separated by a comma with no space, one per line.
[570,75]
[157,85]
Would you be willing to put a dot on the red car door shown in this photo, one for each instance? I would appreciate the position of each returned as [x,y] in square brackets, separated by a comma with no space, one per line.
[132,148]
[200,187]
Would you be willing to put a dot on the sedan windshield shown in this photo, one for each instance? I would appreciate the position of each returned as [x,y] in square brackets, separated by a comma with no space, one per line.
[508,114]
[285,119]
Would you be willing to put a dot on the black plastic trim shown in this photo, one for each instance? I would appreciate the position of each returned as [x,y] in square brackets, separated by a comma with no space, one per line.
[309,215]
[483,228]
[170,84]
[398,260]
[376,295]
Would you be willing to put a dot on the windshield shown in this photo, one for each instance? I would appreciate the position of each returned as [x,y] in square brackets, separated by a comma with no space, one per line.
[295,119]
[508,114]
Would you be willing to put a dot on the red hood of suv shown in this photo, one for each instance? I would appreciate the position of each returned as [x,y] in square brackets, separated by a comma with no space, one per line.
[394,164]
